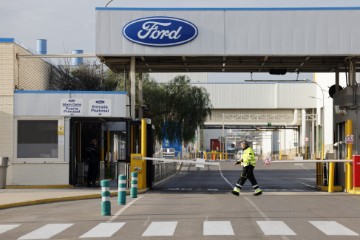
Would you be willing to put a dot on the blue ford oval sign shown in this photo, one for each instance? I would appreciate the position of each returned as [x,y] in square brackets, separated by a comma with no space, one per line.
[160,31]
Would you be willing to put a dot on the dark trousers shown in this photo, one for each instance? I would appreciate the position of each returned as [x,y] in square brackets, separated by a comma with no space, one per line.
[247,173]
[92,174]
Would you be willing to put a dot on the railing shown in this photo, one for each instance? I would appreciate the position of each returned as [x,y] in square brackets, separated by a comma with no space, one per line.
[111,171]
[164,170]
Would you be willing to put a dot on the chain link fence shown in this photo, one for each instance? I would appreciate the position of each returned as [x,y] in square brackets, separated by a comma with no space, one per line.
[60,73]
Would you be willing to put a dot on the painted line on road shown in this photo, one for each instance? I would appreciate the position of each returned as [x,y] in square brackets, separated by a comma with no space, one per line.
[308,185]
[46,232]
[146,222]
[257,208]
[123,209]
[217,228]
[333,228]
[222,175]
[160,229]
[262,214]
[8,227]
[103,230]
[278,228]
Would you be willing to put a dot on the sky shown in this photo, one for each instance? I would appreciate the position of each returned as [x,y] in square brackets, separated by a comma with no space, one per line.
[66,24]
[70,25]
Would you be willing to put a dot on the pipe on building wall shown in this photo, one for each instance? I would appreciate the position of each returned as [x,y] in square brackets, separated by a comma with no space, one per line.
[303,129]
[78,60]
[41,46]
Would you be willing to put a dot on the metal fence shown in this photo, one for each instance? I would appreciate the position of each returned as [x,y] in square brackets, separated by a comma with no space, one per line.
[111,171]
[164,170]
[34,72]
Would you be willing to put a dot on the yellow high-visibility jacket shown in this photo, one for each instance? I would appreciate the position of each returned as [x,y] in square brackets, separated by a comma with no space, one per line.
[248,157]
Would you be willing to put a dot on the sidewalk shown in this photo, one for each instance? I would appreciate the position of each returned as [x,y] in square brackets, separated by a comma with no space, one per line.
[24,197]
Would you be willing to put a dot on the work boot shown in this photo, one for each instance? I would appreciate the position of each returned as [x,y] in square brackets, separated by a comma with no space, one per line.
[257,192]
[236,191]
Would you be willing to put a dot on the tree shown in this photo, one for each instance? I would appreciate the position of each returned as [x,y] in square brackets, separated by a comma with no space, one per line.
[176,109]
[87,77]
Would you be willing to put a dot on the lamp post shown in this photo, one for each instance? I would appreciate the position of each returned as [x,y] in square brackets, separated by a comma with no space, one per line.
[325,179]
[321,119]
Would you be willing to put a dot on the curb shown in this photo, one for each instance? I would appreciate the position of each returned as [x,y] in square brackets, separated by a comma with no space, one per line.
[62,199]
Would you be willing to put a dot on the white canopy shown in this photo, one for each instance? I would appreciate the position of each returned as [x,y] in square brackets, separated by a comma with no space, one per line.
[235,36]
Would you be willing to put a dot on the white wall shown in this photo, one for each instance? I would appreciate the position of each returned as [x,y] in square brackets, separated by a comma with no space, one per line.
[326,80]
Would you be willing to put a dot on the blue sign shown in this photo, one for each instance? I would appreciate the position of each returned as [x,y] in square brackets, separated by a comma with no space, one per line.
[160,31]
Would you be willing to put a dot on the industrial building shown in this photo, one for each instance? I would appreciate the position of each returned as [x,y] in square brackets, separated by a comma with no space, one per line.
[276,37]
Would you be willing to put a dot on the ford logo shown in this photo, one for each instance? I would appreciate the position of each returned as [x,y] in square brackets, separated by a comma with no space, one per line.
[100,102]
[160,31]
[71,100]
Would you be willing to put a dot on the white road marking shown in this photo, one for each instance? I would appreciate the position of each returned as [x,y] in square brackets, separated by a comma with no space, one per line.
[222,175]
[124,208]
[146,222]
[332,228]
[46,232]
[308,185]
[275,228]
[7,227]
[217,228]
[257,208]
[160,229]
[103,230]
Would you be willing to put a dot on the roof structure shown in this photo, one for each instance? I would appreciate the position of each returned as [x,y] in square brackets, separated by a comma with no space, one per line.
[275,36]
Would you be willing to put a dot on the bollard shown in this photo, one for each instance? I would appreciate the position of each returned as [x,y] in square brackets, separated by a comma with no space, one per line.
[105,198]
[134,184]
[122,190]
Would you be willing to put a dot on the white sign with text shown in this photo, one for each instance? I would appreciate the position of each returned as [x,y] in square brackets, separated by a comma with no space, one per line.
[100,107]
[71,107]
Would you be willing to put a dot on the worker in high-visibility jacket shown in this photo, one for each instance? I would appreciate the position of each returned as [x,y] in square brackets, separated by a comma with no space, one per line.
[248,162]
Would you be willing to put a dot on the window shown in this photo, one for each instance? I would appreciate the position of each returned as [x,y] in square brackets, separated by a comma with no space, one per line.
[37,139]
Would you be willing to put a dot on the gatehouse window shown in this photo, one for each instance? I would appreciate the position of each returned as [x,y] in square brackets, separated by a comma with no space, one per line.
[37,139]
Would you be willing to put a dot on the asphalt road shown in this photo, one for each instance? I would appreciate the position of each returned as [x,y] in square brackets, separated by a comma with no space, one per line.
[196,204]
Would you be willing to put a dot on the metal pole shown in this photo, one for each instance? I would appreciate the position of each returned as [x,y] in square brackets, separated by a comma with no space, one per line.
[348,168]
[132,87]
[140,96]
[222,146]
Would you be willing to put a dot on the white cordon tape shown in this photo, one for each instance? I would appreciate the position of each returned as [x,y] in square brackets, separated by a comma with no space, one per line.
[191,161]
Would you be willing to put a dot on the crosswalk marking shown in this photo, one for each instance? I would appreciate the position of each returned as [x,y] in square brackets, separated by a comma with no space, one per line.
[46,232]
[167,228]
[7,227]
[275,228]
[333,228]
[160,229]
[218,228]
[103,230]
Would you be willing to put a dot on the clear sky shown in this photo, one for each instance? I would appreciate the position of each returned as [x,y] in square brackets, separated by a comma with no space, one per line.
[66,24]
[69,25]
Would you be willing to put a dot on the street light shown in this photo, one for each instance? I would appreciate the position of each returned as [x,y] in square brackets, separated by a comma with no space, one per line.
[317,126]
[321,119]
